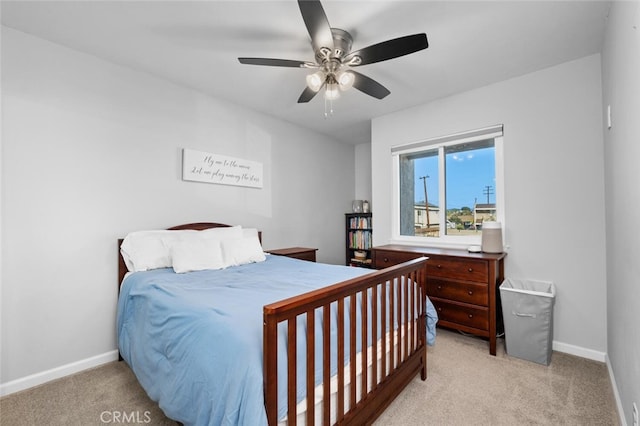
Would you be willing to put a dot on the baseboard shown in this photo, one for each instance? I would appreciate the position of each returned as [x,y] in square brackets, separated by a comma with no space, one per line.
[579,351]
[56,373]
[616,395]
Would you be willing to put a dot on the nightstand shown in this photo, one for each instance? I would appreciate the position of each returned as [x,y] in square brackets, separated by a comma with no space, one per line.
[302,253]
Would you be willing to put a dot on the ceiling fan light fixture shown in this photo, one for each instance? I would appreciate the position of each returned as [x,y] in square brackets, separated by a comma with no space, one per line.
[315,80]
[345,80]
[331,92]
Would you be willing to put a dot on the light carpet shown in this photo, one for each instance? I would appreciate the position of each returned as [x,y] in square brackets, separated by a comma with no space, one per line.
[465,386]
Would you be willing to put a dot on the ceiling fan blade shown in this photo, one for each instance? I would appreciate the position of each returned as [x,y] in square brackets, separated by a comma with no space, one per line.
[317,24]
[369,86]
[308,94]
[273,62]
[389,49]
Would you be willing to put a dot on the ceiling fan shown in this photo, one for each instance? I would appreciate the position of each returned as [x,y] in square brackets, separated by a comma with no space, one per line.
[334,59]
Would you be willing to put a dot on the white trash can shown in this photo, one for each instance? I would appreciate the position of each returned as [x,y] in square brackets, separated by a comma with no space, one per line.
[527,311]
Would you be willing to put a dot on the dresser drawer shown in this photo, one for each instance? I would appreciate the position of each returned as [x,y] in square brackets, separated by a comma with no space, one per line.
[471,316]
[385,258]
[459,269]
[477,294]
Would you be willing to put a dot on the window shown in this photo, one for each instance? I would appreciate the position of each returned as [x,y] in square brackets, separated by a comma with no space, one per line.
[445,188]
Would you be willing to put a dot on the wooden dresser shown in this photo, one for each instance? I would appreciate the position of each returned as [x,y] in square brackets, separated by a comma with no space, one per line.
[462,286]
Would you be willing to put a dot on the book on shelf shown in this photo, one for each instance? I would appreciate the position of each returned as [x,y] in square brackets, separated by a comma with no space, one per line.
[360,222]
[360,240]
[360,262]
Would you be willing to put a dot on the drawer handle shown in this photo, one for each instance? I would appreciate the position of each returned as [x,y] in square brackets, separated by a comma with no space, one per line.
[439,309]
[470,269]
[439,266]
[439,287]
[386,259]
[470,292]
[470,315]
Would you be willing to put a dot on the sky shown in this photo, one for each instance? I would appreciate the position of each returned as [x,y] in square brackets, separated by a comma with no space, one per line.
[468,173]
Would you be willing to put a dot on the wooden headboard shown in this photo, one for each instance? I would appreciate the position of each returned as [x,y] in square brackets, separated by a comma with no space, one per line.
[199,226]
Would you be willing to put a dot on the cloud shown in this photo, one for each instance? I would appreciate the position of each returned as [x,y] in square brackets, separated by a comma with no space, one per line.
[457,157]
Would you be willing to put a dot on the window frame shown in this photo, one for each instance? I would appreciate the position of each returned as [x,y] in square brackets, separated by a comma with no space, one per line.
[439,143]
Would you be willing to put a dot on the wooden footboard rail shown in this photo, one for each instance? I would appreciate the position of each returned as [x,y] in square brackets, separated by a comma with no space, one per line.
[389,303]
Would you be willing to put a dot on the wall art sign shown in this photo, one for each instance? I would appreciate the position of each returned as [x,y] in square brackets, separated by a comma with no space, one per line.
[198,166]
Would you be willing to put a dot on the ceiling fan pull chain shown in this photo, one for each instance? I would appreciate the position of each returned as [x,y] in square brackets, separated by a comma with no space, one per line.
[330,109]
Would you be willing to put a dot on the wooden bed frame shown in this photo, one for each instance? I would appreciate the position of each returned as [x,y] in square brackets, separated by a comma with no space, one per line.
[404,356]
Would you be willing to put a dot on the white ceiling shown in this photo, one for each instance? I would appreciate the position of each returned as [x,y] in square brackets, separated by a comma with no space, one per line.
[196,44]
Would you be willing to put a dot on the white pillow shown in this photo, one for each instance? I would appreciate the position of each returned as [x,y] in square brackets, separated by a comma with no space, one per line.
[145,250]
[221,233]
[249,232]
[196,254]
[241,251]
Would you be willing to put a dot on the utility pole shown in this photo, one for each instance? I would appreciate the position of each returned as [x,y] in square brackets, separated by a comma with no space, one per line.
[426,199]
[475,216]
[488,191]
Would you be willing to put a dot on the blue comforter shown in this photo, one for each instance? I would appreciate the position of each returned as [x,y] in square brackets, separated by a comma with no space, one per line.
[194,340]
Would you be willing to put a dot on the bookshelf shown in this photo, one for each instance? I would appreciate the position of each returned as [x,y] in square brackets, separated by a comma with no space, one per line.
[359,228]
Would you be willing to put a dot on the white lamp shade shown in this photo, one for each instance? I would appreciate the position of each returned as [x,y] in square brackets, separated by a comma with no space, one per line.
[332,92]
[345,80]
[315,80]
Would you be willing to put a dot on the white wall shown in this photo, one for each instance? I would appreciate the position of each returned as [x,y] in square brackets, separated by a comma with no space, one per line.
[363,171]
[621,90]
[554,178]
[91,151]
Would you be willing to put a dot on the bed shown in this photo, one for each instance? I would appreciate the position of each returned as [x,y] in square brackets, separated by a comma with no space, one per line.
[262,341]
